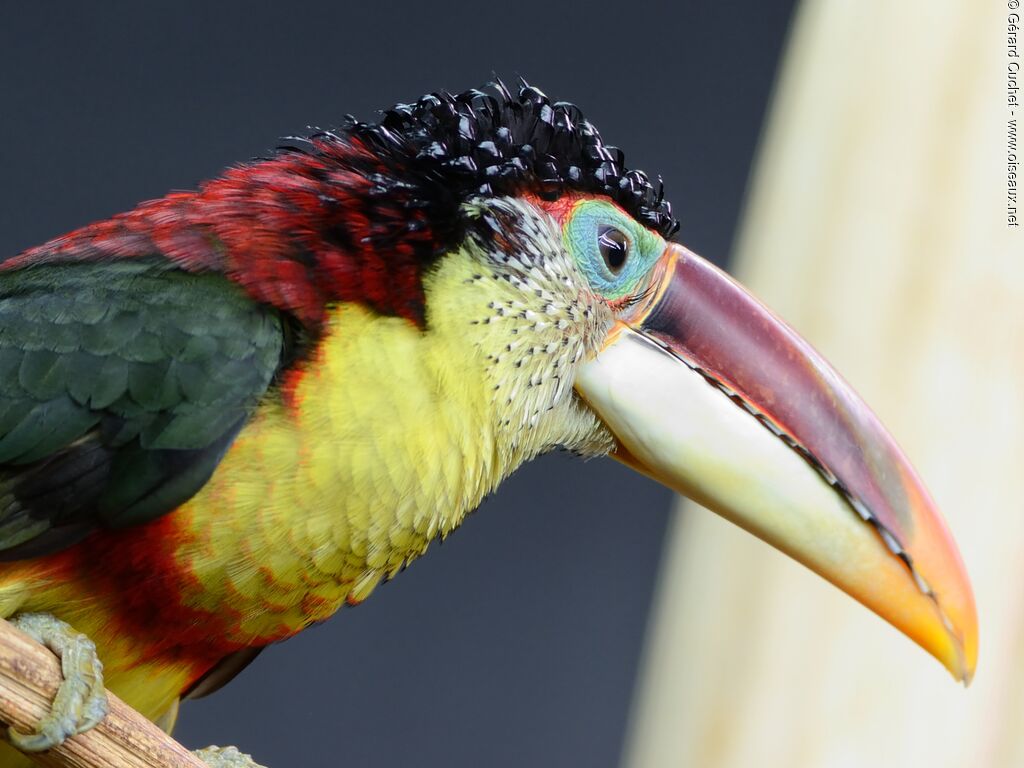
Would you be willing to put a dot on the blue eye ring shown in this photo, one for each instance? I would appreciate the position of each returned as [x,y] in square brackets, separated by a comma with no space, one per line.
[613,251]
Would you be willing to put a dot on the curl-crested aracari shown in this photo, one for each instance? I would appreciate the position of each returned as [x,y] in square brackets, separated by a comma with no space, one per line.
[228,412]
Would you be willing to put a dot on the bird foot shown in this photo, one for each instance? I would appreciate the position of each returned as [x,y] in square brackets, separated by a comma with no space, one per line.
[81,700]
[226,757]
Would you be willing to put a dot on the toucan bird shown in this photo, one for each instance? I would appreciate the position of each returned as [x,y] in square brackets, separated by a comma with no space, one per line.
[226,413]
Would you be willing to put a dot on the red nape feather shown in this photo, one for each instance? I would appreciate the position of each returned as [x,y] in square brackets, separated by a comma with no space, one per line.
[297,231]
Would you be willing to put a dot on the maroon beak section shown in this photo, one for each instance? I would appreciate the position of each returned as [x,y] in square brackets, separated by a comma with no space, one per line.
[713,325]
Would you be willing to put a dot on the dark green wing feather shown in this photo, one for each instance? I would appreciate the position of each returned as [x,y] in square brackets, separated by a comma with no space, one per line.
[121,387]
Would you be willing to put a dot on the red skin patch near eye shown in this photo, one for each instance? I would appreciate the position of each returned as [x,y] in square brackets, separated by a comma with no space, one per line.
[562,207]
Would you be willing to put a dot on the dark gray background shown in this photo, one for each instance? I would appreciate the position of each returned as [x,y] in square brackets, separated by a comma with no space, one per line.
[517,642]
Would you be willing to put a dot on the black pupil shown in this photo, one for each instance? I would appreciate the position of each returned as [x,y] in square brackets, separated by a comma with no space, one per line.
[614,248]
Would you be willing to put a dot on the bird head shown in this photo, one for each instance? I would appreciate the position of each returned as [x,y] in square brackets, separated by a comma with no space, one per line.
[596,332]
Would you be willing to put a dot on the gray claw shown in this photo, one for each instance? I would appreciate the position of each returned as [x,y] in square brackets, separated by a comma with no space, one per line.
[226,757]
[81,700]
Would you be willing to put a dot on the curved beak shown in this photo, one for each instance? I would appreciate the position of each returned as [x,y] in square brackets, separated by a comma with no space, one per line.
[711,394]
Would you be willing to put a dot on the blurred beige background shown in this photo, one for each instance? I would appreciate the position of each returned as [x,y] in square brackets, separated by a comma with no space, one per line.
[876,225]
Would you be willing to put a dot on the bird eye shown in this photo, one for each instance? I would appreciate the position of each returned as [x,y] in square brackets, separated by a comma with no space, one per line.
[614,247]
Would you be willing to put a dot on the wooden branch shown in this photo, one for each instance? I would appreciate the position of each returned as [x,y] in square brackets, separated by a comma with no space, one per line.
[29,677]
